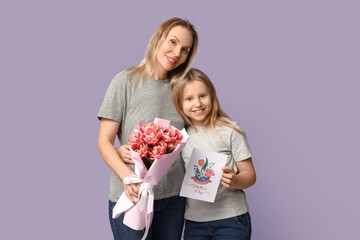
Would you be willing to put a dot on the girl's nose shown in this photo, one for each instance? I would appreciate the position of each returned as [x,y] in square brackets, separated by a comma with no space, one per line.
[197,102]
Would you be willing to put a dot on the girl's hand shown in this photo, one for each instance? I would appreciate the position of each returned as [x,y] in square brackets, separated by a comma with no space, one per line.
[124,152]
[228,176]
[245,177]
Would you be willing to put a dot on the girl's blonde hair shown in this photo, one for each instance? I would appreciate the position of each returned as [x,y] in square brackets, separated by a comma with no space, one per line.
[216,117]
[147,66]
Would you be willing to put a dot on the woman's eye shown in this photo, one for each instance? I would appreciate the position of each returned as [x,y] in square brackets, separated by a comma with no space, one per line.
[172,41]
[185,50]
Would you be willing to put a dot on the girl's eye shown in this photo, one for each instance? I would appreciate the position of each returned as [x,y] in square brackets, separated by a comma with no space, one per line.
[172,42]
[203,96]
[188,99]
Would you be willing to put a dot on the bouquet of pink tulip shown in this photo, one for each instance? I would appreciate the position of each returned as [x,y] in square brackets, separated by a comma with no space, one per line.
[154,147]
[152,140]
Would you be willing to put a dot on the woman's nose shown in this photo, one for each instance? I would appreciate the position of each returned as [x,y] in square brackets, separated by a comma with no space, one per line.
[177,52]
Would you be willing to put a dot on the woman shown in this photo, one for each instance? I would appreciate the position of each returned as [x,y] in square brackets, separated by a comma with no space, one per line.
[142,92]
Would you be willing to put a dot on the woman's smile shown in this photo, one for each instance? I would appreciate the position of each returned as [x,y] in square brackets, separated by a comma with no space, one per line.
[171,60]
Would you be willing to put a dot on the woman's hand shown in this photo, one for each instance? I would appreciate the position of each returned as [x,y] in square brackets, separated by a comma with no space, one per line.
[131,191]
[124,152]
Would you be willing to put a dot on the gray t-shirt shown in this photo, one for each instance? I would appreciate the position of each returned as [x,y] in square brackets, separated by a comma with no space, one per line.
[228,202]
[129,106]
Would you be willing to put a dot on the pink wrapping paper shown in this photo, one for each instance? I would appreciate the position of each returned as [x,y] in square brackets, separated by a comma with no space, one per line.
[139,215]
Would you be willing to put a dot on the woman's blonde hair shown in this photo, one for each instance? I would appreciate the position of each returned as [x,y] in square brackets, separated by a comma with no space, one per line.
[216,117]
[147,66]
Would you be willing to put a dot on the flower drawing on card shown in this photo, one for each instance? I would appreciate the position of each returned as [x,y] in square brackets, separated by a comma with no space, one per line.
[203,172]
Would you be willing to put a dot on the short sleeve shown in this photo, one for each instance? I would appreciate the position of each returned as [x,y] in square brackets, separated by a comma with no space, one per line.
[114,103]
[239,145]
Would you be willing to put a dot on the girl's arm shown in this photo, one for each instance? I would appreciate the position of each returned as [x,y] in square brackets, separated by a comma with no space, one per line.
[107,135]
[245,177]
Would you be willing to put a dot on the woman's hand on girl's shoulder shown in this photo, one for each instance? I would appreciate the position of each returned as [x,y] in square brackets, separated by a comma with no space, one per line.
[124,152]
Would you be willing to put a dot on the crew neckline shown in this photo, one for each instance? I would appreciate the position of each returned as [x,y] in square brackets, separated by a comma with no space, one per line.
[164,80]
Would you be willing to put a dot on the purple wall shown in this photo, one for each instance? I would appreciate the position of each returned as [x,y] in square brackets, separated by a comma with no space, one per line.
[287,71]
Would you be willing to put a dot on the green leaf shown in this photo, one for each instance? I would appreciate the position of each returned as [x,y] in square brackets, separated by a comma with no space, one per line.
[197,173]
[205,165]
[170,149]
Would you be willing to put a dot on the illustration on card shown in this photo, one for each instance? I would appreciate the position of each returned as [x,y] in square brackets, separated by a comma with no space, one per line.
[203,172]
[203,175]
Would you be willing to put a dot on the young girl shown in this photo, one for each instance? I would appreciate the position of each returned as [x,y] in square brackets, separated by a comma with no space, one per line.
[211,129]
[143,92]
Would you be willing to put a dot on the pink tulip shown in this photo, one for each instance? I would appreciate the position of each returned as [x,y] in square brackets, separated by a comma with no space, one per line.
[135,140]
[168,135]
[178,135]
[151,140]
[209,172]
[149,128]
[158,150]
[151,133]
[143,150]
[171,135]
[201,162]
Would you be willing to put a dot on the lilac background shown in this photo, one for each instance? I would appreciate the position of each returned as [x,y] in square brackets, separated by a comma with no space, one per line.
[287,71]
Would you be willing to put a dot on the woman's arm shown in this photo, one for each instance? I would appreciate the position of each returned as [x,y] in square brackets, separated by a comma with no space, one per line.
[107,135]
[245,177]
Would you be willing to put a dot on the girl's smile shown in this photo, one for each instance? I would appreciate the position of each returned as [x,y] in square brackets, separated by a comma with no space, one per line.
[199,111]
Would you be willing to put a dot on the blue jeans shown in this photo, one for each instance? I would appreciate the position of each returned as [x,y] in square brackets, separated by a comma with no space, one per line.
[238,227]
[168,221]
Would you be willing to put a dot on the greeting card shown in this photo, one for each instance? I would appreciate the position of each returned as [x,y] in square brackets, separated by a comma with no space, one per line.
[203,175]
